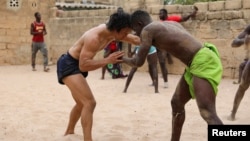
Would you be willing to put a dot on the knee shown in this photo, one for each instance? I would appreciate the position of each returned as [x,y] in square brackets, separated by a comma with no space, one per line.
[207,116]
[90,104]
[176,106]
[243,86]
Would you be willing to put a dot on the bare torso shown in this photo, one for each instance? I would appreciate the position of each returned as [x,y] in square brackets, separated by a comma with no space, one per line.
[173,38]
[93,41]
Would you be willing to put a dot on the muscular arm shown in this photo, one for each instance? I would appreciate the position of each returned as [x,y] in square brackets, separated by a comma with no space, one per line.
[193,14]
[240,39]
[132,39]
[139,59]
[89,50]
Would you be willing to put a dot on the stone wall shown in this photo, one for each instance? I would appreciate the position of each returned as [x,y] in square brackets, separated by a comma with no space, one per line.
[217,22]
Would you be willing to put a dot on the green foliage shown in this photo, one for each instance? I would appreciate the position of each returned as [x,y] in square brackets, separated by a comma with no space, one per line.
[186,2]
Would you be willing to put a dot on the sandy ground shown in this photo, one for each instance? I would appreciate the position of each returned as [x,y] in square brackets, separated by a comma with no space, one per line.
[34,107]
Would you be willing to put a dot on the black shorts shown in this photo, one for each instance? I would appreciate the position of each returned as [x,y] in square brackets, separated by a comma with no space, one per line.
[67,65]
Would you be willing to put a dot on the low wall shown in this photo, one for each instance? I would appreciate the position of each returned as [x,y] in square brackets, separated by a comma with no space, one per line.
[216,22]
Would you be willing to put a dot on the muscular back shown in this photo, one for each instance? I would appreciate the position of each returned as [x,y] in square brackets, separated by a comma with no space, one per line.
[173,38]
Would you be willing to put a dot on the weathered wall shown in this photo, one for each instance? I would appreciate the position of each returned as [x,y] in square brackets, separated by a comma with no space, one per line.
[16,17]
[217,22]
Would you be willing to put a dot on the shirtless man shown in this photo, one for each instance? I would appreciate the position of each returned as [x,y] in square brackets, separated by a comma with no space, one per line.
[73,67]
[202,74]
[242,38]
[163,16]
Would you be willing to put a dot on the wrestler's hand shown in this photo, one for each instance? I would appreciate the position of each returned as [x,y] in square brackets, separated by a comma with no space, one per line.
[115,57]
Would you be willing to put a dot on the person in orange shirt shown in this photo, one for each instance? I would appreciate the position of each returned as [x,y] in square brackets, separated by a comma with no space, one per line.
[163,15]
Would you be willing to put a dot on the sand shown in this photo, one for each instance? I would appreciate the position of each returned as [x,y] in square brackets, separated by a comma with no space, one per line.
[34,107]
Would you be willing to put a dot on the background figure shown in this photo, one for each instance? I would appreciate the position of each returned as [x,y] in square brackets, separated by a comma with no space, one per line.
[163,15]
[152,67]
[203,70]
[38,30]
[242,38]
[114,69]
[241,68]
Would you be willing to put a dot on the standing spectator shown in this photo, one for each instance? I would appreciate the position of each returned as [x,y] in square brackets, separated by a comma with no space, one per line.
[38,30]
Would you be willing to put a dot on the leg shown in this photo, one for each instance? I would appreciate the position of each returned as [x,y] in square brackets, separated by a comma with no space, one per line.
[162,60]
[107,52]
[103,72]
[34,50]
[44,52]
[169,57]
[130,76]
[244,85]
[179,99]
[121,72]
[85,105]
[153,71]
[117,71]
[241,68]
[205,98]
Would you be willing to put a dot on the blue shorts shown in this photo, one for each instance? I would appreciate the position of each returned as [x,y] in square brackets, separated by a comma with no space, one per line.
[67,65]
[152,50]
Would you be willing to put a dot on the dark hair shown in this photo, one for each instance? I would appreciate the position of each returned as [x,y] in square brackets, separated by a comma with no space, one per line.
[120,9]
[36,14]
[118,21]
[139,15]
[164,11]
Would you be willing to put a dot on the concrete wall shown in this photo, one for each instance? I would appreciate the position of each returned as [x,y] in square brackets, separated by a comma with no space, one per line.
[217,22]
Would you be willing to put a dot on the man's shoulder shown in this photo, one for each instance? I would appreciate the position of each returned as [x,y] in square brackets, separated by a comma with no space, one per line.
[154,24]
